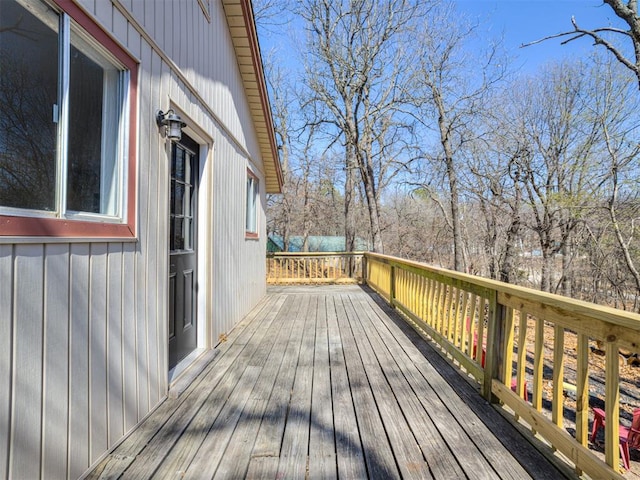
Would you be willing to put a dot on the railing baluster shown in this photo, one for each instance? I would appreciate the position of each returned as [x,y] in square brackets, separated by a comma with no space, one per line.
[473,350]
[522,353]
[440,305]
[507,363]
[557,406]
[481,350]
[582,389]
[462,321]
[538,364]
[433,312]
[612,403]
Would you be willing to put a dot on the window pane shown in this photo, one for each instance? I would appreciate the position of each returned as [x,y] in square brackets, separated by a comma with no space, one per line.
[248,213]
[252,195]
[178,164]
[178,206]
[178,234]
[94,113]
[28,95]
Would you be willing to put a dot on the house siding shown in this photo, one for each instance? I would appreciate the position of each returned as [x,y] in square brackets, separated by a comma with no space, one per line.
[83,325]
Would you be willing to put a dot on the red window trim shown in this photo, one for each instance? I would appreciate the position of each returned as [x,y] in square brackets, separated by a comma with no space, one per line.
[64,227]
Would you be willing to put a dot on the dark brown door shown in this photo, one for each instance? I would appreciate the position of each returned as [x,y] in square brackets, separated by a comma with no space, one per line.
[183,250]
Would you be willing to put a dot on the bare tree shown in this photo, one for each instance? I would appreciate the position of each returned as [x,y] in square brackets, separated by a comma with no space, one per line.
[453,99]
[626,11]
[559,173]
[496,181]
[615,111]
[356,75]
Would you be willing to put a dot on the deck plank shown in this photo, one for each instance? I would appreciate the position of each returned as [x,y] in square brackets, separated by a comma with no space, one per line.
[377,450]
[405,448]
[350,455]
[179,459]
[152,427]
[269,438]
[197,413]
[235,462]
[322,457]
[295,442]
[413,394]
[325,383]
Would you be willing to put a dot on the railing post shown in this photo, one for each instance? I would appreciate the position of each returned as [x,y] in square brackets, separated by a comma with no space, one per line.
[496,338]
[364,269]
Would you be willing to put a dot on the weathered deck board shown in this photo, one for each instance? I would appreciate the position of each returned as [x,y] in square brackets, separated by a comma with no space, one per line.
[325,382]
[410,391]
[377,450]
[350,456]
[322,447]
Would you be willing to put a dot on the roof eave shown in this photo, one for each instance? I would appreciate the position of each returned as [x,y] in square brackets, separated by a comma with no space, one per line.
[241,23]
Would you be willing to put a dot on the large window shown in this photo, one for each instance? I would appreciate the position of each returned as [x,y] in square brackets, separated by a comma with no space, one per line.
[253,194]
[65,103]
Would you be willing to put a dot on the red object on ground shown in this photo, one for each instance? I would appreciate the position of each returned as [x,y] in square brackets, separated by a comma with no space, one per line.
[514,380]
[629,437]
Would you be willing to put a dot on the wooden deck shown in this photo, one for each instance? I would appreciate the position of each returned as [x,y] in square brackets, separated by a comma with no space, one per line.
[326,382]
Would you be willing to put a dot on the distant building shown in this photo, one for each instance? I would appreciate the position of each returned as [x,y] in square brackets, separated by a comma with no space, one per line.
[275,243]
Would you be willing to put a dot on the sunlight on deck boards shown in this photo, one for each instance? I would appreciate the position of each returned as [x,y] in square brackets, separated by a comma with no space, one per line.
[326,382]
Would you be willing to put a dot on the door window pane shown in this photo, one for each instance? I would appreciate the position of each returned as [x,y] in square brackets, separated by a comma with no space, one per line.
[183,198]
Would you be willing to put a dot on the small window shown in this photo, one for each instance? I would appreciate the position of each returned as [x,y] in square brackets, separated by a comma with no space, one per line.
[253,193]
[64,130]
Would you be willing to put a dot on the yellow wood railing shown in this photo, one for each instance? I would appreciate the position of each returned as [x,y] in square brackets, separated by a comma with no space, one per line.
[309,268]
[512,340]
[496,332]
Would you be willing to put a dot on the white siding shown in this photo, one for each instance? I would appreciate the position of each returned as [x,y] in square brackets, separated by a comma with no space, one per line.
[6,340]
[55,417]
[26,371]
[83,336]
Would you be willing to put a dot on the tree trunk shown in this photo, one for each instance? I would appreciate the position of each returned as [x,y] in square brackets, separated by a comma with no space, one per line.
[507,270]
[458,259]
[372,207]
[445,140]
[566,281]
[349,213]
[546,270]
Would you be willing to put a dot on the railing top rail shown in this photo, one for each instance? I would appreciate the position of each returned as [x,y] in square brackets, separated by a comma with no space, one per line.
[567,306]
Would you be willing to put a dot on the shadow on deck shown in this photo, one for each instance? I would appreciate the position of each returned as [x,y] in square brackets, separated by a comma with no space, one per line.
[327,382]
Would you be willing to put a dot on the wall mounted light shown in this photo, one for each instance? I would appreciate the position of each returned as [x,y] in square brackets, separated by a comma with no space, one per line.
[172,122]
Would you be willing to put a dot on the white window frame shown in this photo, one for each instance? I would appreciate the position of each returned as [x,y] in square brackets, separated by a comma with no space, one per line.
[252,205]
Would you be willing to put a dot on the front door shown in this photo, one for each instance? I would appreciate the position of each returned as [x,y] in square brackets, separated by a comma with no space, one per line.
[183,249]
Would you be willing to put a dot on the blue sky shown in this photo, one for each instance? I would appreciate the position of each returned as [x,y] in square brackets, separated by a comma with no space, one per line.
[517,21]
[523,21]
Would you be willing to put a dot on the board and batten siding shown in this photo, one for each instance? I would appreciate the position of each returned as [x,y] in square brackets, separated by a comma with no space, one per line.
[83,324]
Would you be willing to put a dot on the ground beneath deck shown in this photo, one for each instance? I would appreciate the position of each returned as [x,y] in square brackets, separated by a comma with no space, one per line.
[326,382]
